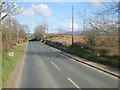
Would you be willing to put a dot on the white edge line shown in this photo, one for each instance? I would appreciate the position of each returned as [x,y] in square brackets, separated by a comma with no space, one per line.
[73,83]
[56,50]
[56,66]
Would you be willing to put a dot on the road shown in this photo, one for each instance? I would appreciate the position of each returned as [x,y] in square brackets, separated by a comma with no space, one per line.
[45,68]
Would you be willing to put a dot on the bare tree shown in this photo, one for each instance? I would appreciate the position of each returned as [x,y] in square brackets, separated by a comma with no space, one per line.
[8,8]
[110,8]
[101,29]
[39,31]
[9,31]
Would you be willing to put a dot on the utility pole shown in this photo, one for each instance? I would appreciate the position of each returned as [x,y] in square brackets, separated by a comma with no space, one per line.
[18,35]
[59,30]
[28,35]
[46,30]
[72,25]
[10,32]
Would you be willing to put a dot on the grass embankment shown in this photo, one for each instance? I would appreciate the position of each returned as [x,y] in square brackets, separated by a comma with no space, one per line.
[9,63]
[113,61]
[106,60]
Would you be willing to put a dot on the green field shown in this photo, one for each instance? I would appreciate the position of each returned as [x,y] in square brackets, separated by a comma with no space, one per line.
[10,63]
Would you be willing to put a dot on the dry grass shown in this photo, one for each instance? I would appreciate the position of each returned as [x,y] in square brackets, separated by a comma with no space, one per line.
[66,39]
[9,43]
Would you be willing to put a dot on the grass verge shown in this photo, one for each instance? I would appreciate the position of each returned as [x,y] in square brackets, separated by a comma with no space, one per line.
[112,61]
[87,54]
[9,63]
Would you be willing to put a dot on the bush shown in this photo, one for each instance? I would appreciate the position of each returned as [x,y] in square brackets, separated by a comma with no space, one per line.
[88,54]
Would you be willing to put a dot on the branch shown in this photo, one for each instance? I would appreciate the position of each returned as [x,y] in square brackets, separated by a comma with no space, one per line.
[4,16]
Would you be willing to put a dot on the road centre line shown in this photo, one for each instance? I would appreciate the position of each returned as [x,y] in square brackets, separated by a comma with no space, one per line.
[73,83]
[56,66]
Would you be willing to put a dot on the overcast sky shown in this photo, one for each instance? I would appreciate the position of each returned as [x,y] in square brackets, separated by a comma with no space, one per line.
[56,14]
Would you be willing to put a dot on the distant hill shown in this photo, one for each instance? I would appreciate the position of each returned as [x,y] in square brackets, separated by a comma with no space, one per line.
[76,32]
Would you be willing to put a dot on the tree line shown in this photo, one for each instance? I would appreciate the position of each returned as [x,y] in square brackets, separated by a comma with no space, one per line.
[11,31]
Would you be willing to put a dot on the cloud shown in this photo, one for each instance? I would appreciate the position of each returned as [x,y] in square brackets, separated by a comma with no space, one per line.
[96,3]
[28,12]
[61,16]
[62,0]
[68,27]
[41,9]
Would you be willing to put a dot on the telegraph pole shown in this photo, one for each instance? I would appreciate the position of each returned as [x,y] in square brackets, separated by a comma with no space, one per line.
[18,35]
[72,25]
[59,30]
[47,30]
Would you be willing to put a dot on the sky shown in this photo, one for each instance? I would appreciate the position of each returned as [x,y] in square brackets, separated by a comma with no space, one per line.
[58,15]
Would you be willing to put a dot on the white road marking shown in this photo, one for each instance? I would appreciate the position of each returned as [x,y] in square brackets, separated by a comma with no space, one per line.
[73,83]
[56,66]
[58,51]
[95,69]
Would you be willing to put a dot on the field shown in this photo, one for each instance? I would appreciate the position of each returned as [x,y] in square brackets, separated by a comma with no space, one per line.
[66,38]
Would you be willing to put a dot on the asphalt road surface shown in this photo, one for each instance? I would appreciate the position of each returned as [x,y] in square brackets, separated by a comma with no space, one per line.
[45,68]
